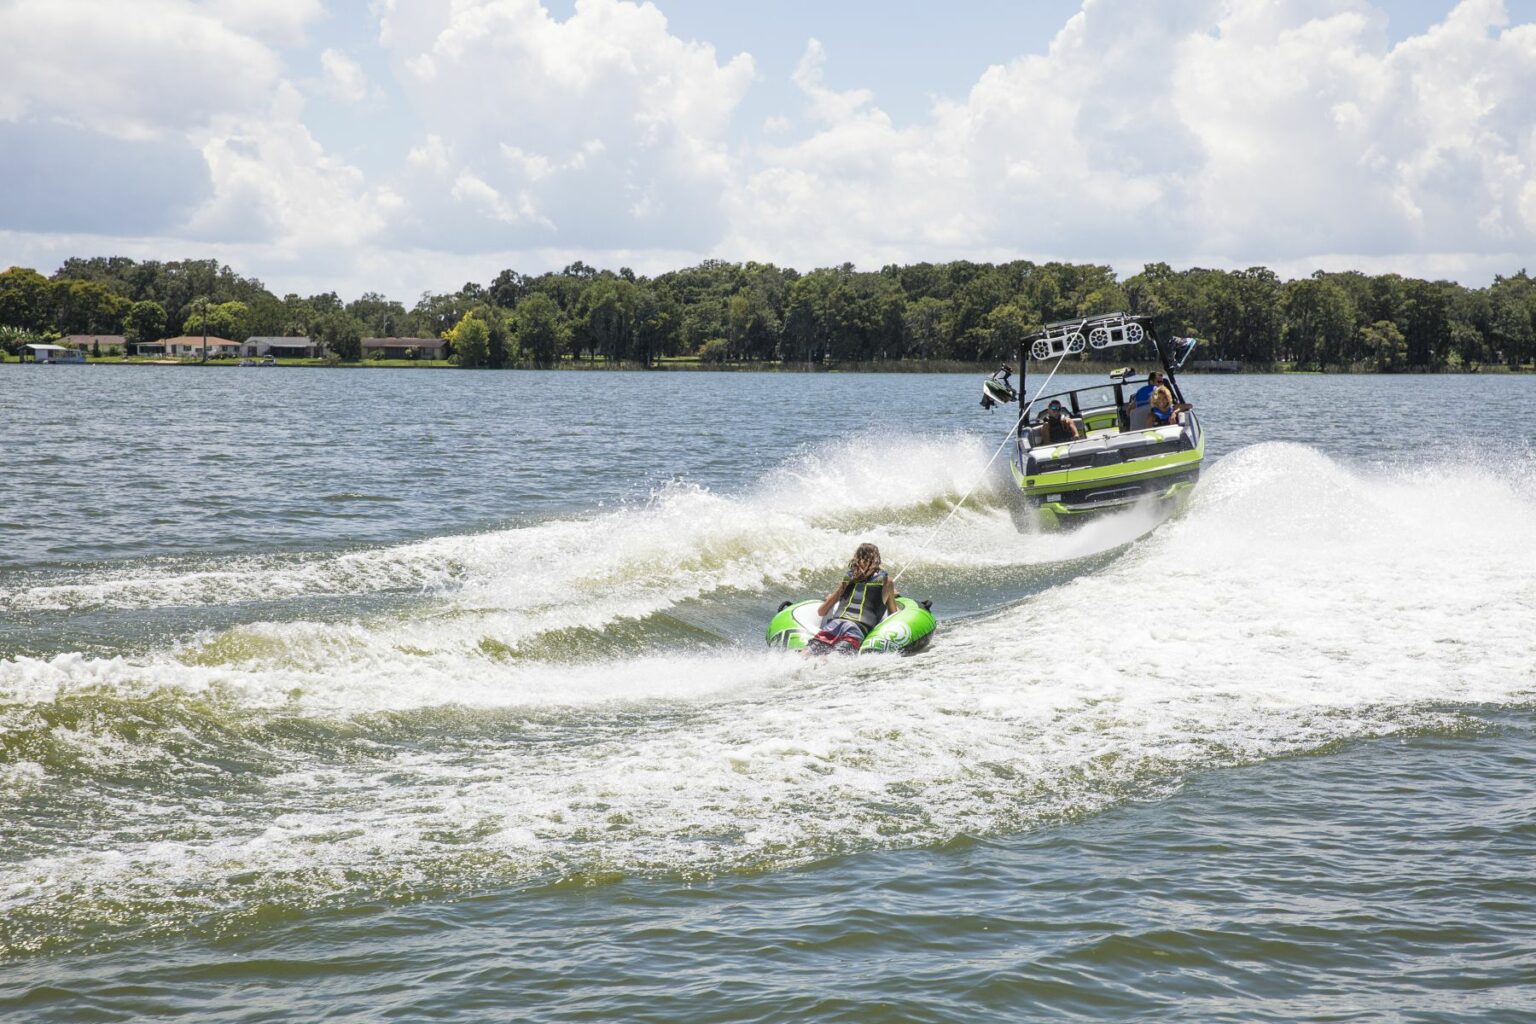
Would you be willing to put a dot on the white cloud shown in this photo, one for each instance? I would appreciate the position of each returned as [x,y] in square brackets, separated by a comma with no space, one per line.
[826,104]
[1228,131]
[1220,132]
[431,155]
[279,22]
[518,210]
[136,70]
[603,128]
[186,77]
[344,77]
[273,182]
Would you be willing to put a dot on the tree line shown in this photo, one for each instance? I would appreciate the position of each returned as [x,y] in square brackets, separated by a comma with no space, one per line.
[757,313]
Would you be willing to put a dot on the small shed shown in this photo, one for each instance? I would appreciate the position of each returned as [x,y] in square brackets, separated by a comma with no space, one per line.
[44,353]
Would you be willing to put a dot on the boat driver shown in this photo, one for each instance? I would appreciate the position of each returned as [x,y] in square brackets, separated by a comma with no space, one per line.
[1058,424]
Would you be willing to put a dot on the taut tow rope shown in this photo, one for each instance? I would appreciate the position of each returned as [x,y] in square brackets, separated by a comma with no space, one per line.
[1012,431]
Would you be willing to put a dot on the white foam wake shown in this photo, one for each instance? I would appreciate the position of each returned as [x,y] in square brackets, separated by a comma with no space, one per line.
[1295,604]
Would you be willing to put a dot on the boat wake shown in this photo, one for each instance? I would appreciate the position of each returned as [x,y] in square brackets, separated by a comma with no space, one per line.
[589,697]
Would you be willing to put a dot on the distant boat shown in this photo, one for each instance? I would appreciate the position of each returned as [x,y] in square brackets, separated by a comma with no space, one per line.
[263,361]
[55,354]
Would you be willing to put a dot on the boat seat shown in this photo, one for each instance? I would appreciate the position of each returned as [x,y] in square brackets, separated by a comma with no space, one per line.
[1130,441]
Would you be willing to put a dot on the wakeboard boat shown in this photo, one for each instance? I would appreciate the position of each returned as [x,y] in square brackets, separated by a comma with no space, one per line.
[1122,454]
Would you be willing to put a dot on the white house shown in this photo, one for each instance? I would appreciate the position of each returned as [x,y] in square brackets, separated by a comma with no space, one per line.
[192,345]
[282,348]
[94,343]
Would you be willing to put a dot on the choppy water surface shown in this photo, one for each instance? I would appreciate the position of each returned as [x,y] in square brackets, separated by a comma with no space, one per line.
[397,694]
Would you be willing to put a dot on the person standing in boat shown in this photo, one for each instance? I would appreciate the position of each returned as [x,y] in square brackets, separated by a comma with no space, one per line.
[864,597]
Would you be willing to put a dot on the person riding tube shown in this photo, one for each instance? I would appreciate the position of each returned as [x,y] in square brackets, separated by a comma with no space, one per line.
[864,597]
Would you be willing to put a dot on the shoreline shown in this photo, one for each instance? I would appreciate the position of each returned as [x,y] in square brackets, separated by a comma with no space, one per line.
[693,365]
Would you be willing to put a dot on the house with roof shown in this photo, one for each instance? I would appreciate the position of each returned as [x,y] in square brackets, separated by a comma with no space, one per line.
[95,344]
[282,348]
[189,345]
[398,348]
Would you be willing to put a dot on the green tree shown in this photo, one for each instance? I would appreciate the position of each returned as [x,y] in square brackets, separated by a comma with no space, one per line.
[1512,318]
[13,338]
[655,325]
[508,289]
[802,317]
[1427,322]
[752,329]
[927,328]
[1468,344]
[1007,325]
[225,320]
[145,322]
[26,300]
[87,307]
[541,331]
[435,314]
[471,341]
[340,334]
[267,317]
[502,343]
[1386,345]
[605,316]
[381,317]
[890,322]
[1319,321]
[1259,315]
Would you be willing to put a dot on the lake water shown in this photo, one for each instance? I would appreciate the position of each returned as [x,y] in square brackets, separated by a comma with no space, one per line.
[392,694]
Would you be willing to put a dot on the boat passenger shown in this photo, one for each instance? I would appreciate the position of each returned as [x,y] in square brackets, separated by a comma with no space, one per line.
[1163,410]
[1058,424]
[1135,414]
[864,597]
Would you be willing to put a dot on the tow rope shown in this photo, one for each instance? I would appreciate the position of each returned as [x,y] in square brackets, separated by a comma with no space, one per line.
[1012,432]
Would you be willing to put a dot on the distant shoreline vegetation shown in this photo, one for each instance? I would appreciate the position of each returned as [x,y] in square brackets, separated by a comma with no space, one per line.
[933,317]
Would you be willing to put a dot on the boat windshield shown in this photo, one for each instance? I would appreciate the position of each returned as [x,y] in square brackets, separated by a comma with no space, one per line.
[1083,400]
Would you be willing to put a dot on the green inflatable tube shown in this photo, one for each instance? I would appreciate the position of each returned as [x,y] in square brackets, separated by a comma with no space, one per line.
[907,631]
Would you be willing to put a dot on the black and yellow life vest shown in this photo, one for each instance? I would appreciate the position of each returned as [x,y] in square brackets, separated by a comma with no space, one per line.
[1056,429]
[863,601]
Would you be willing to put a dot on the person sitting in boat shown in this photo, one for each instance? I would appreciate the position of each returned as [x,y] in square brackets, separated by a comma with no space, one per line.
[1058,424]
[1135,409]
[864,597]
[1163,410]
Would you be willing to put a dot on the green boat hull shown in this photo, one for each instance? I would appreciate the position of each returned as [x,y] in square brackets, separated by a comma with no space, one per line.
[1060,499]
[907,631]
[1133,440]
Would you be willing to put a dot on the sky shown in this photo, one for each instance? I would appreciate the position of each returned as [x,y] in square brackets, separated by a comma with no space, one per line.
[411,145]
